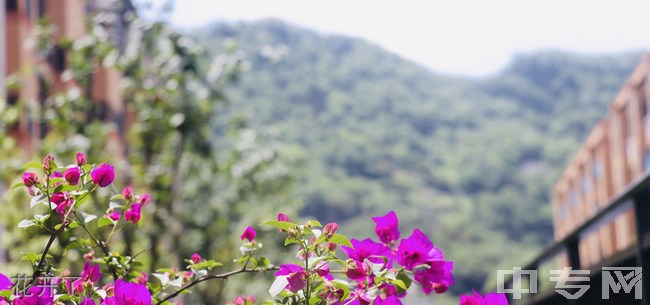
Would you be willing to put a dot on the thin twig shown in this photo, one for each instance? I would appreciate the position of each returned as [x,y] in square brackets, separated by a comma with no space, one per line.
[222,276]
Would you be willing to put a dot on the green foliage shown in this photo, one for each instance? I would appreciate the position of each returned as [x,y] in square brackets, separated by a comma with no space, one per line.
[471,161]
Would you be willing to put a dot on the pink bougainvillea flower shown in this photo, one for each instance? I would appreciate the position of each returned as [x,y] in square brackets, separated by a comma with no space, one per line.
[133,215]
[90,273]
[283,217]
[242,300]
[330,229]
[115,216]
[126,293]
[387,228]
[103,175]
[127,193]
[5,283]
[144,199]
[356,270]
[296,276]
[371,250]
[39,294]
[63,202]
[72,175]
[437,277]
[249,234]
[489,299]
[196,258]
[390,300]
[80,159]
[47,167]
[30,179]
[415,250]
[143,278]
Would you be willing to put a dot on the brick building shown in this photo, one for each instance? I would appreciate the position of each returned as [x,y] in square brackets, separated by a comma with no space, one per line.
[18,58]
[614,158]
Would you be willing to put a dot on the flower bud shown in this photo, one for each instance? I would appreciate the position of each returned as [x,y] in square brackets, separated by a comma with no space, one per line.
[127,193]
[249,234]
[330,229]
[80,159]
[196,258]
[133,215]
[90,256]
[114,216]
[331,246]
[72,175]
[145,199]
[283,217]
[47,164]
[103,175]
[30,179]
[293,232]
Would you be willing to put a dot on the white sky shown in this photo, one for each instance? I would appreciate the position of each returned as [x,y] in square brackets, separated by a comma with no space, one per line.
[473,38]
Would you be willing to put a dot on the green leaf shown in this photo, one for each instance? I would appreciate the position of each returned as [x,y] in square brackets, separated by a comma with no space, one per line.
[17,185]
[405,279]
[6,293]
[399,284]
[280,224]
[102,222]
[73,225]
[341,240]
[33,164]
[290,240]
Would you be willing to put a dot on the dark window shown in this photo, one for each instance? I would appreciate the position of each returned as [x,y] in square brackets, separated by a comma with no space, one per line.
[12,99]
[100,111]
[28,9]
[41,8]
[57,58]
[118,119]
[11,5]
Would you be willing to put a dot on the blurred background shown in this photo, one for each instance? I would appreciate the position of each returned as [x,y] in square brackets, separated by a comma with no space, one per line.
[460,116]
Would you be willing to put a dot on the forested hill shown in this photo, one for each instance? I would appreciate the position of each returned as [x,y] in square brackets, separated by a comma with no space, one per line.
[469,161]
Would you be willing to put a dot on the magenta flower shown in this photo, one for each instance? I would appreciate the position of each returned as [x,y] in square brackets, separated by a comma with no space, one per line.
[133,215]
[242,300]
[369,249]
[47,167]
[283,217]
[80,159]
[127,193]
[63,202]
[387,228]
[103,175]
[489,299]
[437,277]
[356,270]
[249,234]
[30,179]
[390,300]
[145,199]
[5,283]
[330,229]
[39,294]
[115,216]
[90,273]
[196,258]
[143,278]
[416,250]
[72,175]
[295,275]
[126,293]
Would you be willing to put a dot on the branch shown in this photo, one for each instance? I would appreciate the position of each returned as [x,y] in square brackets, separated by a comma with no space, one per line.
[54,235]
[222,276]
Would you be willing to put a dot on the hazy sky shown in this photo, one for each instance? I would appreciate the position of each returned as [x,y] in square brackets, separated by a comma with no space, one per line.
[453,36]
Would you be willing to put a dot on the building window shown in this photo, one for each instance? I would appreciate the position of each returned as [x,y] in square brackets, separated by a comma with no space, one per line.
[41,9]
[597,169]
[584,184]
[573,198]
[11,5]
[57,59]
